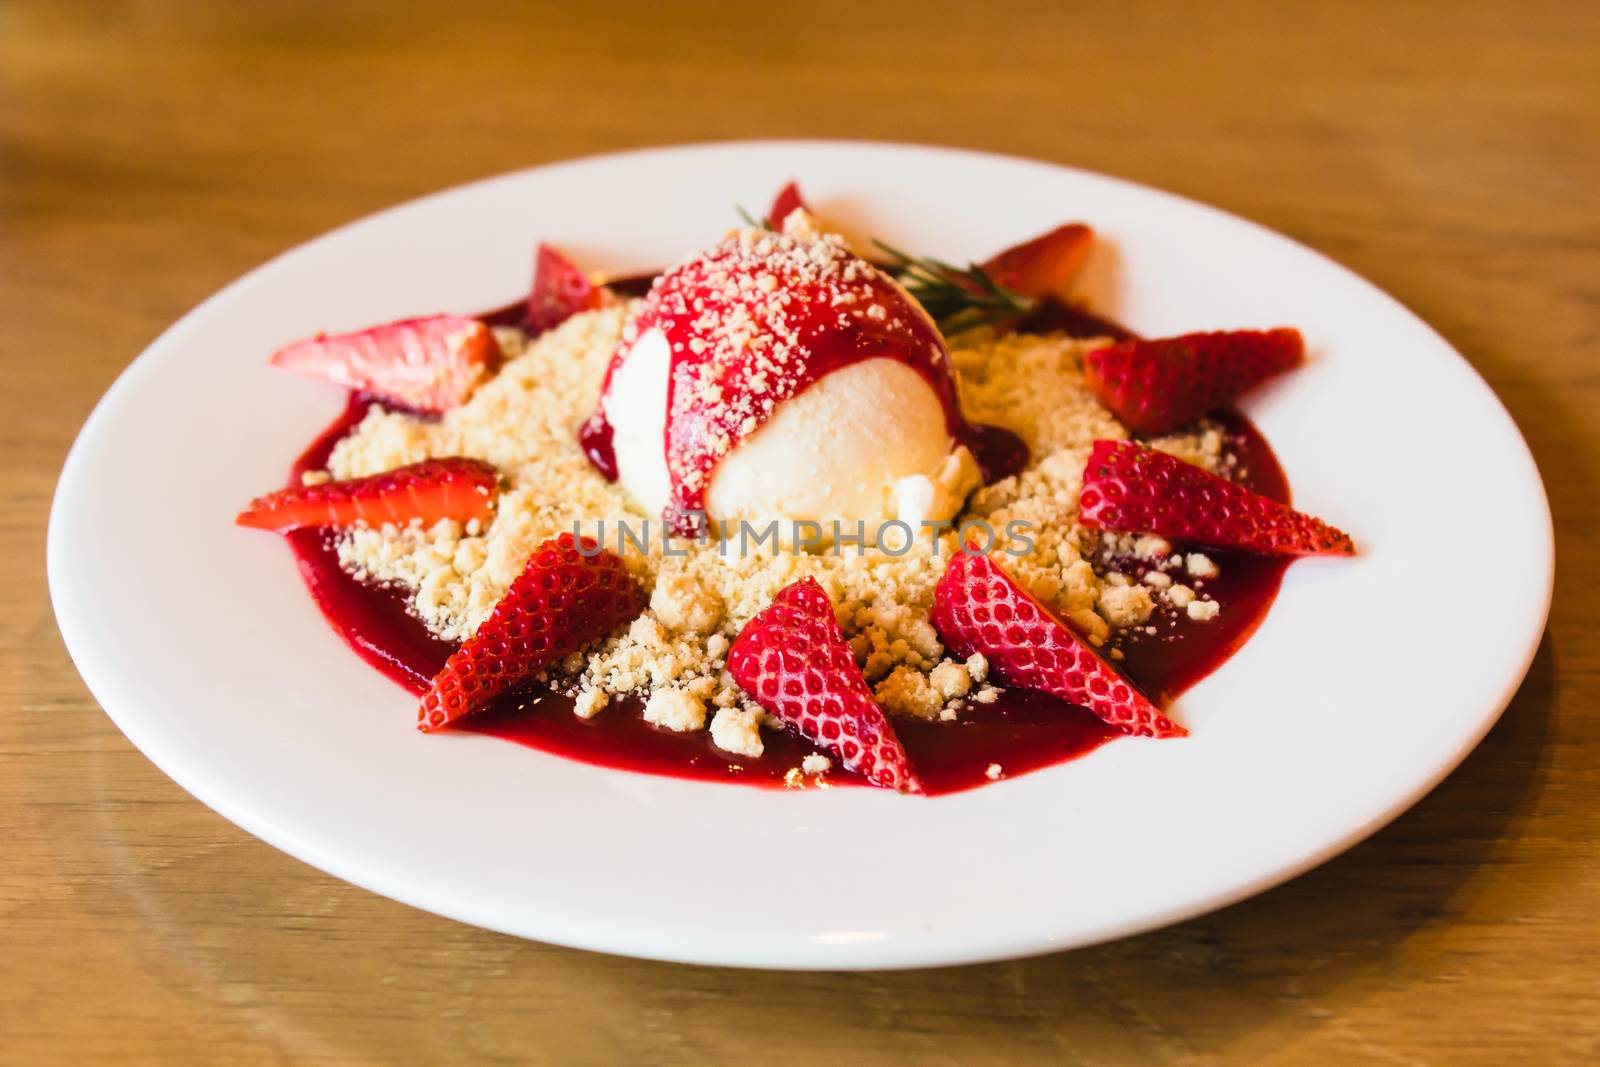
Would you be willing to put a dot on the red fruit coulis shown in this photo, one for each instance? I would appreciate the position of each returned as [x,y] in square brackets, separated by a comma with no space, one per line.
[1021,731]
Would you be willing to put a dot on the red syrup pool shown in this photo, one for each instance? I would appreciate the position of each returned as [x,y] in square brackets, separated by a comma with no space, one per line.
[1021,731]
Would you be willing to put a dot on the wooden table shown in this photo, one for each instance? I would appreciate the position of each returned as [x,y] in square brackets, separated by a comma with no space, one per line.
[150,152]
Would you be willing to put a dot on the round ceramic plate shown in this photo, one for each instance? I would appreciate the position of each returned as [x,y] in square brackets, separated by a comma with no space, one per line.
[202,645]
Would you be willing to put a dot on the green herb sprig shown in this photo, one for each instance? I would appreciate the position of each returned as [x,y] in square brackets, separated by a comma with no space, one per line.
[958,298]
[762,223]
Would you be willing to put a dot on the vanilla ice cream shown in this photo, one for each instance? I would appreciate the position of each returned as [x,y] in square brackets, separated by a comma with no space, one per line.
[798,384]
[866,442]
[636,406]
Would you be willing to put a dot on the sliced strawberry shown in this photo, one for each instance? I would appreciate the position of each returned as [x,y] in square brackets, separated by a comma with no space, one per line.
[1156,386]
[1048,265]
[792,659]
[564,598]
[787,200]
[1131,489]
[560,290]
[977,607]
[430,364]
[430,491]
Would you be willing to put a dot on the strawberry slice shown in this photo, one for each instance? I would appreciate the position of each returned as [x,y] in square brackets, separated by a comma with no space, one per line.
[430,364]
[787,200]
[1156,386]
[435,489]
[792,659]
[564,598]
[977,607]
[560,290]
[1131,489]
[1047,265]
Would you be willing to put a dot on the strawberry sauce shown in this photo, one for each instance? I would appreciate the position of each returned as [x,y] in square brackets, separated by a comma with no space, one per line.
[373,620]
[1022,731]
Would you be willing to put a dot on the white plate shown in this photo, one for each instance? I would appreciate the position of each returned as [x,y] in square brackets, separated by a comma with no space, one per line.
[1368,682]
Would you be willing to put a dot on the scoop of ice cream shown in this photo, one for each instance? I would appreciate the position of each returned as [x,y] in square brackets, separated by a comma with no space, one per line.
[866,443]
[779,377]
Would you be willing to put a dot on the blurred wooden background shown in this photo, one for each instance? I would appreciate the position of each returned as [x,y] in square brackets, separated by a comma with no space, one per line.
[150,152]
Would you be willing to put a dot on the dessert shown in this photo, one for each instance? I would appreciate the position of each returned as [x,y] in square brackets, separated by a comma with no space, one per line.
[797,514]
[780,377]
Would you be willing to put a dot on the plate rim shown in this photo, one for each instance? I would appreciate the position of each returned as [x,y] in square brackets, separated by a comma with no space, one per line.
[903,954]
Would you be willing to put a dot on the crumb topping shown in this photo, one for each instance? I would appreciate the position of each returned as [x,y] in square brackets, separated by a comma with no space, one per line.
[676,709]
[738,730]
[523,422]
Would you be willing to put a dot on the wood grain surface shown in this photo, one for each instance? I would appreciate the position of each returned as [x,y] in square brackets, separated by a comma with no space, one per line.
[150,152]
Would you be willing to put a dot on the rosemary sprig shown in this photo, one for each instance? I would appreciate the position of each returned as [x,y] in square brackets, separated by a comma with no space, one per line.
[957,298]
[763,223]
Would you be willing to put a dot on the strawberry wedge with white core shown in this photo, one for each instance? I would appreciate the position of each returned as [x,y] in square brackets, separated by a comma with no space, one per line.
[979,608]
[792,659]
[454,488]
[1128,488]
[569,594]
[778,377]
[428,365]
[560,290]
[1047,265]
